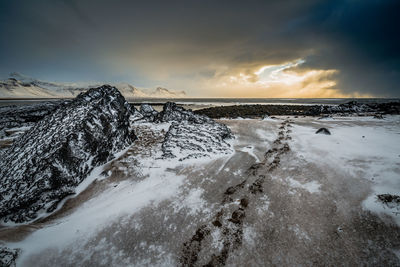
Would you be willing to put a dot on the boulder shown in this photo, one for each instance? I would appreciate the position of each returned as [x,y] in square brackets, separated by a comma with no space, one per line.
[148,112]
[323,131]
[172,112]
[50,160]
[191,135]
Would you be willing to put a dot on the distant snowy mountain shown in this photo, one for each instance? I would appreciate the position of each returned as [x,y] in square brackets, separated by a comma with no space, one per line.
[21,86]
[130,91]
[165,93]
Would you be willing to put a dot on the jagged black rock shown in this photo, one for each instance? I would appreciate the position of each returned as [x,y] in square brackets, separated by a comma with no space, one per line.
[45,164]
[148,112]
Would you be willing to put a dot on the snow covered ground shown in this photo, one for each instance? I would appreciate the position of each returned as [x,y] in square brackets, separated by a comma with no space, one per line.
[363,148]
[285,196]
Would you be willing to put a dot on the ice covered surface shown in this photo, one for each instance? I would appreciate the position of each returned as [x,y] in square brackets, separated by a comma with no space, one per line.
[46,163]
[365,148]
[114,203]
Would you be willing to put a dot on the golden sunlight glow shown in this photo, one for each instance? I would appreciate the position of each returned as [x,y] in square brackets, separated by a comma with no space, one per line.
[279,81]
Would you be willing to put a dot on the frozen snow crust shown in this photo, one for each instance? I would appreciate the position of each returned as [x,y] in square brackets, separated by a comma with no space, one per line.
[46,163]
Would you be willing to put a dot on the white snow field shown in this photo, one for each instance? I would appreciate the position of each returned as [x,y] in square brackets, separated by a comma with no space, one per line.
[285,196]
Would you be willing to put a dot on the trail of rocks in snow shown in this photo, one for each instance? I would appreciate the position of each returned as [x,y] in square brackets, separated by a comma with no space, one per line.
[227,224]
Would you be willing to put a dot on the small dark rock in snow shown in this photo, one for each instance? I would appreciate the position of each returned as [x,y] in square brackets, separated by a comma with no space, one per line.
[323,131]
[378,116]
[50,160]
[388,198]
[217,223]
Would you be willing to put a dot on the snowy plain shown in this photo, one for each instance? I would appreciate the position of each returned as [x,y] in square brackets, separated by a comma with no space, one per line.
[317,207]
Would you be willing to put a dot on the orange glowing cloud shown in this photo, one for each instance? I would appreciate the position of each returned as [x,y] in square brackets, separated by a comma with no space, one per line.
[277,81]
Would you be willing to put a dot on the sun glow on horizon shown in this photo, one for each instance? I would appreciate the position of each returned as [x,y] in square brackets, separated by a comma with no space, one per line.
[284,80]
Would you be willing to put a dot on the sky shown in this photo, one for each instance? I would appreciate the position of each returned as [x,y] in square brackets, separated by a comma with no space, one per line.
[282,49]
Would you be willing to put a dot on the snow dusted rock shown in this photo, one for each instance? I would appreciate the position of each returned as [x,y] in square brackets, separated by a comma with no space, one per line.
[8,256]
[173,112]
[323,131]
[191,135]
[352,107]
[136,115]
[148,112]
[46,163]
[191,140]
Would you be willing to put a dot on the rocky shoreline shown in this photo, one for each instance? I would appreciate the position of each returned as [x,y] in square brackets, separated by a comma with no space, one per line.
[257,111]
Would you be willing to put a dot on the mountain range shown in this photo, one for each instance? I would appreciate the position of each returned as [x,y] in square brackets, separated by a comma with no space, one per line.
[21,86]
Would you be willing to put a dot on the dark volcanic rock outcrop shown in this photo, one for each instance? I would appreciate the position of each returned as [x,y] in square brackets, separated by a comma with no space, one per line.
[26,115]
[191,135]
[172,112]
[352,107]
[148,112]
[46,163]
[256,111]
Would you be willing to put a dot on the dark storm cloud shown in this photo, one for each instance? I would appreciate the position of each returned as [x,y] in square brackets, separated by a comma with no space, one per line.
[138,40]
[359,38]
[78,12]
